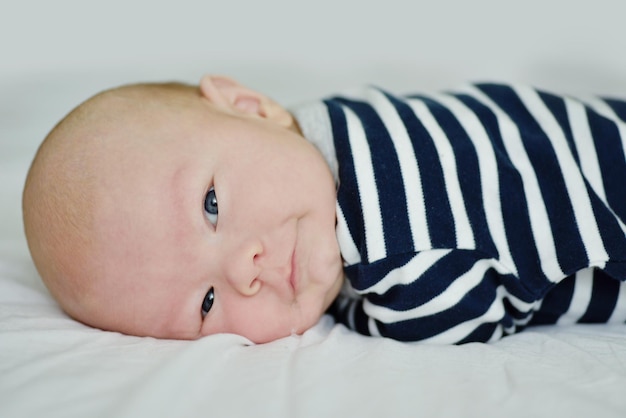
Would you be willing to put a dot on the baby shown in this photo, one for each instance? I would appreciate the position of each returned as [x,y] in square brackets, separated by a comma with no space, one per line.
[180,211]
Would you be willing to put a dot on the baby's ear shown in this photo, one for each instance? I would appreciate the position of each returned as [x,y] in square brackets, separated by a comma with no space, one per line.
[228,94]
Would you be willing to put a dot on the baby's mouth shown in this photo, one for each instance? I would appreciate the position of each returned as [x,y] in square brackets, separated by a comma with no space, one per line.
[293,283]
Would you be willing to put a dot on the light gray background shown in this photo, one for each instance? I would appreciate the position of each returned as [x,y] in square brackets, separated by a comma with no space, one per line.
[295,49]
[56,53]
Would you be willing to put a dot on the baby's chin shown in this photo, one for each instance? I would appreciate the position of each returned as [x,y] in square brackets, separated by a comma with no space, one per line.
[300,324]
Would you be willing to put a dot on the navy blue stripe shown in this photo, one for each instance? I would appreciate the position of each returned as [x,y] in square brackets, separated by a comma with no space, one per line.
[613,238]
[468,171]
[513,312]
[559,111]
[430,284]
[618,106]
[483,333]
[517,287]
[348,193]
[611,159]
[436,280]
[367,275]
[475,303]
[389,180]
[556,302]
[616,269]
[604,294]
[570,249]
[360,318]
[438,212]
[513,201]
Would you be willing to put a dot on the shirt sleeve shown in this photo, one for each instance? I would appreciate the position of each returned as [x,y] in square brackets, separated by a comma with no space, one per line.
[438,296]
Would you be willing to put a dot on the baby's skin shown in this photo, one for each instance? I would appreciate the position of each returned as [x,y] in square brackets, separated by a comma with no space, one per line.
[179,211]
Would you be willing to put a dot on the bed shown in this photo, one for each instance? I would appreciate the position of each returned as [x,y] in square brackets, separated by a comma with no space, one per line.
[53,366]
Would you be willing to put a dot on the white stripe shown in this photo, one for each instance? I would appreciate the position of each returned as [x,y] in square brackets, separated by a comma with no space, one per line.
[350,313]
[522,306]
[619,312]
[450,297]
[464,233]
[349,250]
[522,322]
[408,166]
[372,328]
[583,284]
[498,333]
[488,175]
[457,333]
[590,166]
[539,221]
[409,272]
[372,218]
[494,314]
[583,139]
[574,182]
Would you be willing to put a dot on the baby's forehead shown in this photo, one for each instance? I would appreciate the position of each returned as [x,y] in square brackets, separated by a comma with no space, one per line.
[121,122]
[150,103]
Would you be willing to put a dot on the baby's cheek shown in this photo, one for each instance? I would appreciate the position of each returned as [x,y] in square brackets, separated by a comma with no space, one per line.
[262,324]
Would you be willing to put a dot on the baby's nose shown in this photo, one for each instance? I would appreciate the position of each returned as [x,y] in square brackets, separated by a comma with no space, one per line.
[242,269]
[246,286]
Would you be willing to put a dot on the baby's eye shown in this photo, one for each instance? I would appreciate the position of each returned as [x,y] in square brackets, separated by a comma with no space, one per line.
[210,206]
[207,303]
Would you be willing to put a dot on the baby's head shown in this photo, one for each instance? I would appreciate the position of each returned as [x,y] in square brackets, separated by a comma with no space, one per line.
[121,214]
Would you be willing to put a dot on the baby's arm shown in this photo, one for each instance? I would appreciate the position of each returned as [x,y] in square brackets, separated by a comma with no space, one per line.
[438,296]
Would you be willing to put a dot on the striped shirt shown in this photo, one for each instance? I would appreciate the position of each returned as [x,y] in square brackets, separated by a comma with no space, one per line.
[468,215]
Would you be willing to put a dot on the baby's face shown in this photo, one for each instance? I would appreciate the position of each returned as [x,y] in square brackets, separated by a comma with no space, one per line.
[222,225]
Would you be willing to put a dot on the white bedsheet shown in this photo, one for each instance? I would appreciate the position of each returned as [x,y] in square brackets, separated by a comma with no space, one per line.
[52,366]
